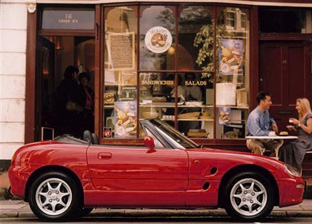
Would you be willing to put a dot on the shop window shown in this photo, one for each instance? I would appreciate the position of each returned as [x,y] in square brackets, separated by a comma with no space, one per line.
[285,20]
[195,46]
[232,83]
[157,35]
[120,82]
[157,96]
[203,96]
[196,108]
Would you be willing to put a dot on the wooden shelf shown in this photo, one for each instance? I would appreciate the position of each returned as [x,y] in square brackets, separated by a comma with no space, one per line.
[233,107]
[211,120]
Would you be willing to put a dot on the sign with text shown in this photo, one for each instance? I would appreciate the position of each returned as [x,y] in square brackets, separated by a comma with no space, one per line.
[121,51]
[83,19]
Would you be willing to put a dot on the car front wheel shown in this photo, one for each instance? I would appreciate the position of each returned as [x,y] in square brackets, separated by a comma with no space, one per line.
[54,196]
[249,196]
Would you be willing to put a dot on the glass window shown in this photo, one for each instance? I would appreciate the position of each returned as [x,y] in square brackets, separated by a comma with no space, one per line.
[285,20]
[120,83]
[204,96]
[157,96]
[232,86]
[157,35]
[196,110]
[195,39]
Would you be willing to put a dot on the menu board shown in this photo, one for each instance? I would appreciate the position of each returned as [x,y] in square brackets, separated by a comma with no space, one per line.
[121,51]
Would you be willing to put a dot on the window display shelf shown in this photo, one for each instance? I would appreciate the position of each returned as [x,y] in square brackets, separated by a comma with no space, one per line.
[211,120]
[234,107]
[108,106]
[113,84]
[172,105]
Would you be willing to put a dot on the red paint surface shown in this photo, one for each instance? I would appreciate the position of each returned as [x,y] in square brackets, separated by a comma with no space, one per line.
[137,177]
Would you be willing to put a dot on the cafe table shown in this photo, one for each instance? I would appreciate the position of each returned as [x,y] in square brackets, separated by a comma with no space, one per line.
[274,137]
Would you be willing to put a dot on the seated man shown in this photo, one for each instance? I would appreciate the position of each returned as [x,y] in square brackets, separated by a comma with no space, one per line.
[259,124]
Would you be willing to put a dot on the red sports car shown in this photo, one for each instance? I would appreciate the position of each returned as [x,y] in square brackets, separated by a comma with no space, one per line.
[67,177]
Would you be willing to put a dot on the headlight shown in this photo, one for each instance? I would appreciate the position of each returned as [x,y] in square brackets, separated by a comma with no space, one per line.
[292,171]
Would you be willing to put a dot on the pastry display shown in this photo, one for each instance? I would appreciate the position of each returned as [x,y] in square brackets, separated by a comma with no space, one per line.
[150,114]
[159,99]
[197,133]
[190,115]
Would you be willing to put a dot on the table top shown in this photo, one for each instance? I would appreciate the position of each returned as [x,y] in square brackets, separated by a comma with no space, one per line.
[273,137]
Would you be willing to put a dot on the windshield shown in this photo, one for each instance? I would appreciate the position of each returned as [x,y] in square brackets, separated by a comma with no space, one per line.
[174,134]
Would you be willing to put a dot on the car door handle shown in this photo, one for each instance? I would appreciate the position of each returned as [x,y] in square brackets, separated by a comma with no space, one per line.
[104,155]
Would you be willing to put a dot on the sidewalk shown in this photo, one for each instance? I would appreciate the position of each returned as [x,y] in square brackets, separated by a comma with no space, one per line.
[18,208]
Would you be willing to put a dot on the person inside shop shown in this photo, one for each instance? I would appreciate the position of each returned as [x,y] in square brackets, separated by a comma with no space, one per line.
[293,153]
[87,94]
[172,90]
[192,92]
[259,123]
[68,104]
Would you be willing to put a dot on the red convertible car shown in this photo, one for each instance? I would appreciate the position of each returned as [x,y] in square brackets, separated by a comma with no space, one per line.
[67,177]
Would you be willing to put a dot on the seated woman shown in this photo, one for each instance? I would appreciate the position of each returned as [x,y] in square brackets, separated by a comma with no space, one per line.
[293,153]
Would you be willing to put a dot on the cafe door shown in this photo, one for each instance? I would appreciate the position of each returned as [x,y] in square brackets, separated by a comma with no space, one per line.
[45,84]
[285,73]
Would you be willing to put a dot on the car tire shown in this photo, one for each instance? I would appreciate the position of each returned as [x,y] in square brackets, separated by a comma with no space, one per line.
[54,196]
[248,196]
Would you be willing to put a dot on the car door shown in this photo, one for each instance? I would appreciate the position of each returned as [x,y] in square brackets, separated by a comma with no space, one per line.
[134,176]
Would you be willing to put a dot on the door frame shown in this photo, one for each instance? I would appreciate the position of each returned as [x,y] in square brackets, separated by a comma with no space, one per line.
[270,38]
[33,32]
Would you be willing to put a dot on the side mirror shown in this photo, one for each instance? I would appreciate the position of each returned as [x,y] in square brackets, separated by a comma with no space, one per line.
[149,142]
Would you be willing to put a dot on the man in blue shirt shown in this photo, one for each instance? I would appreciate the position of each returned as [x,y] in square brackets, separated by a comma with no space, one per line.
[259,123]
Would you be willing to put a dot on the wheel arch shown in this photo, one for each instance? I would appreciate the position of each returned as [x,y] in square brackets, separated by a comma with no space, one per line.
[249,168]
[53,168]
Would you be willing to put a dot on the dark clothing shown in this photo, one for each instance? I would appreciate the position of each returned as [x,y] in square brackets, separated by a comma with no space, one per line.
[293,153]
[67,122]
[87,116]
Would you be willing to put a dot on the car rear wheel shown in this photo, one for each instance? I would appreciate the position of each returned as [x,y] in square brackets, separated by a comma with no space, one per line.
[54,196]
[249,196]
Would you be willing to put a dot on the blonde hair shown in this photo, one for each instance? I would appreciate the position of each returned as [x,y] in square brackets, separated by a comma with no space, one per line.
[304,105]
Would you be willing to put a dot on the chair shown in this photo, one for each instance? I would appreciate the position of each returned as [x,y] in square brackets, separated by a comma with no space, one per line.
[95,139]
[87,136]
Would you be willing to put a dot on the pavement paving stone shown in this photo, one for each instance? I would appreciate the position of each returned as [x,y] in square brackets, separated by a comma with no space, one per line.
[19,208]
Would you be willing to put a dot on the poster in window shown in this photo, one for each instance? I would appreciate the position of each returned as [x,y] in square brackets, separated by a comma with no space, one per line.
[125,116]
[231,57]
[121,51]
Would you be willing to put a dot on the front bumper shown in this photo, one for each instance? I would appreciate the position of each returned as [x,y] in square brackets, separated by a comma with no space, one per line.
[18,176]
[291,191]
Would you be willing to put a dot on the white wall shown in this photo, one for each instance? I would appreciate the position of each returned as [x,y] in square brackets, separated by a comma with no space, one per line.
[13,20]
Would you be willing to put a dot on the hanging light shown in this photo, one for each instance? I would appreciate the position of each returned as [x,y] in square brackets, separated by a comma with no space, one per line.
[58,43]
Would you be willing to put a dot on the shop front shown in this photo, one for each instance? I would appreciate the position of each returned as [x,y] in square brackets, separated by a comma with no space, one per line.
[197,66]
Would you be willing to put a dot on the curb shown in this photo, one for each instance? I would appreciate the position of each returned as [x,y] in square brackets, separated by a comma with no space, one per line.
[161,214]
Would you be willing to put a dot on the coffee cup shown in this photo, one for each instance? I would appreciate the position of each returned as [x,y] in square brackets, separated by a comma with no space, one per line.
[272,133]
